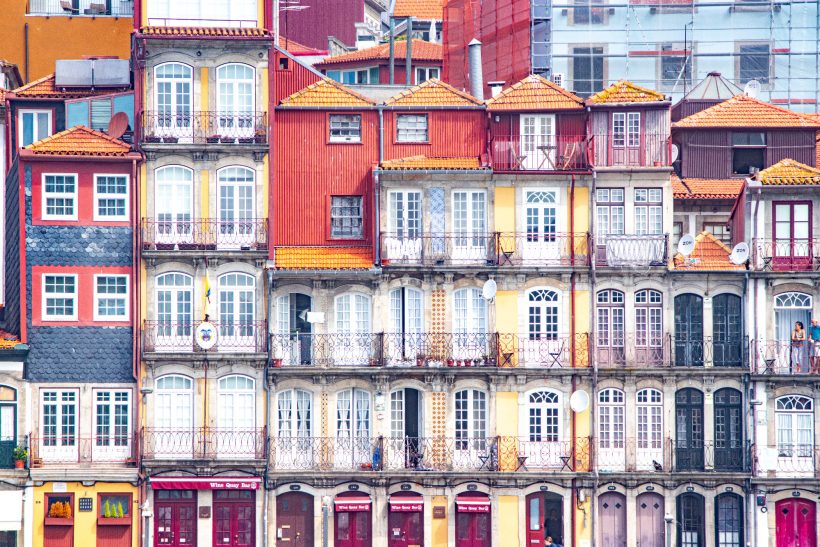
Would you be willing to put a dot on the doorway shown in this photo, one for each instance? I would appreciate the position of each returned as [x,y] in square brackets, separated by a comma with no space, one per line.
[689,429]
[612,513]
[473,520]
[175,521]
[650,521]
[406,448]
[688,330]
[405,521]
[234,518]
[294,519]
[294,340]
[352,523]
[545,518]
[796,523]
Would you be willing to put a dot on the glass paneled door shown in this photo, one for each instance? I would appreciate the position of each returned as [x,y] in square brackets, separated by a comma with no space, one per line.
[174,330]
[727,321]
[471,431]
[237,328]
[790,356]
[406,340]
[174,117]
[544,346]
[173,436]
[470,325]
[8,425]
[689,430]
[174,206]
[236,436]
[353,428]
[537,149]
[470,242]
[404,241]
[354,343]
[729,449]
[235,101]
[795,435]
[237,227]
[542,244]
[59,442]
[792,235]
[649,416]
[234,518]
[293,447]
[406,448]
[544,445]
[611,441]
[626,138]
[688,330]
[175,521]
[293,339]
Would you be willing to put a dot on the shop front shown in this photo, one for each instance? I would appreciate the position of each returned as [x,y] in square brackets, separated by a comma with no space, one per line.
[352,525]
[473,520]
[405,520]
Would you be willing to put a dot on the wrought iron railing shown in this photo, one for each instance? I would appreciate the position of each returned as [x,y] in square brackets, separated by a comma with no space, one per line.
[174,337]
[718,456]
[785,357]
[204,234]
[786,255]
[68,448]
[539,153]
[204,127]
[7,446]
[786,460]
[620,150]
[615,454]
[631,250]
[614,349]
[91,8]
[199,443]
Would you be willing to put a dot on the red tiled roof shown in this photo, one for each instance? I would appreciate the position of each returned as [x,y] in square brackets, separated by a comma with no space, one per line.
[3,92]
[323,258]
[421,51]
[788,172]
[328,93]
[744,111]
[432,92]
[44,88]
[420,9]
[706,188]
[79,141]
[624,91]
[295,48]
[8,340]
[432,163]
[709,254]
[205,32]
[535,93]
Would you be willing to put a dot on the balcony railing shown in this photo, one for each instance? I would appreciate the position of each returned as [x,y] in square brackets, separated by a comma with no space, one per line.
[62,448]
[786,255]
[204,234]
[204,443]
[486,249]
[729,456]
[7,446]
[201,127]
[94,8]
[784,357]
[540,153]
[651,350]
[173,337]
[798,460]
[618,455]
[645,150]
[631,250]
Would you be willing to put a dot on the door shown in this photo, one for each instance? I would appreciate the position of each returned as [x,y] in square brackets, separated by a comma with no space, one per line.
[471,431]
[469,325]
[691,525]
[727,321]
[554,517]
[650,344]
[174,117]
[535,520]
[649,417]
[405,529]
[537,142]
[234,522]
[789,357]
[796,523]
[237,326]
[59,442]
[353,345]
[689,429]
[237,226]
[406,446]
[612,512]
[293,446]
[8,426]
[173,435]
[471,241]
[353,426]
[544,346]
[174,206]
[405,340]
[174,330]
[688,330]
[626,138]
[610,313]
[404,240]
[473,530]
[610,213]
[544,447]
[792,236]
[293,341]
[294,519]
[650,523]
[729,449]
[352,528]
[235,101]
[236,436]
[729,509]
[175,518]
[611,441]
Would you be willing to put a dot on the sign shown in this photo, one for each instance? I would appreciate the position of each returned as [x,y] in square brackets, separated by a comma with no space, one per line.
[473,506]
[439,512]
[295,487]
[205,335]
[406,504]
[352,504]
[59,487]
[206,483]
[204,511]
[85,504]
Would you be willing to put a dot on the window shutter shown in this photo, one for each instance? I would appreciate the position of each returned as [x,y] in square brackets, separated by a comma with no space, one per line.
[100,114]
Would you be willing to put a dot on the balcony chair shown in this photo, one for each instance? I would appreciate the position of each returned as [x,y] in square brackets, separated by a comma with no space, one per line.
[568,157]
[68,7]
[96,9]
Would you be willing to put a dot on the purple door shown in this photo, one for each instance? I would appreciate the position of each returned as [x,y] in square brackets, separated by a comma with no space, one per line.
[796,523]
[612,519]
[650,520]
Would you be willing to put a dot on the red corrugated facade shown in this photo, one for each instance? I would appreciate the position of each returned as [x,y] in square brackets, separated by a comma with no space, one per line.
[289,77]
[319,19]
[453,134]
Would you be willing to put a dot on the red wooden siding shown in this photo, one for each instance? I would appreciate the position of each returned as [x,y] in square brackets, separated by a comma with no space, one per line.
[451,133]
[58,536]
[321,19]
[287,82]
[113,536]
[706,154]
[797,145]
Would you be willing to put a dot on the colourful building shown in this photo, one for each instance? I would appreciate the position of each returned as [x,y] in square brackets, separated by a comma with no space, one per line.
[371,66]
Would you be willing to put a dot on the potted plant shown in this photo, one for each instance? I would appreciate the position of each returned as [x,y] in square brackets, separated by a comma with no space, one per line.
[20,455]
[152,139]
[260,137]
[490,361]
[450,362]
[170,140]
[114,511]
[213,139]
[246,140]
[477,361]
[59,513]
[420,360]
[277,362]
[227,140]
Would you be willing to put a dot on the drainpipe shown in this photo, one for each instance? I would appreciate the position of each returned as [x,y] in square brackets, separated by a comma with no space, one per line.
[572,221]
[377,191]
[25,45]
[392,48]
[268,418]
[476,75]
[408,69]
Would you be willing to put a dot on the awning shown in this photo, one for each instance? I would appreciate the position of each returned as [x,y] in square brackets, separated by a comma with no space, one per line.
[12,515]
[206,483]
[352,503]
[473,505]
[406,504]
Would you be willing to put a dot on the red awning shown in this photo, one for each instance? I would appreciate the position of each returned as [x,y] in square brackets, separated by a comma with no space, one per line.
[406,504]
[352,503]
[206,483]
[472,505]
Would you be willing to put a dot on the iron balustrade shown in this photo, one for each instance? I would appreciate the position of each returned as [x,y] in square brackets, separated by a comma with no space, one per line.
[787,460]
[631,250]
[204,127]
[7,446]
[169,234]
[203,443]
[712,456]
[539,153]
[66,448]
[622,150]
[615,349]
[614,454]
[785,254]
[785,357]
[92,8]
[175,337]
[542,350]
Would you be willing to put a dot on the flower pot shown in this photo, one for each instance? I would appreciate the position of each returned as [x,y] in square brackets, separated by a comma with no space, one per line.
[260,139]
[114,521]
[450,362]
[227,140]
[277,363]
[19,464]
[419,361]
[171,140]
[152,139]
[246,140]
[212,140]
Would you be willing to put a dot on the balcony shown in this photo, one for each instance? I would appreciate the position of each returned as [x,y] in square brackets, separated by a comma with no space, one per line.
[786,255]
[65,449]
[7,447]
[171,337]
[203,443]
[486,250]
[92,8]
[205,127]
[631,455]
[699,456]
[619,151]
[204,235]
[631,250]
[786,460]
[540,153]
[782,357]
[650,350]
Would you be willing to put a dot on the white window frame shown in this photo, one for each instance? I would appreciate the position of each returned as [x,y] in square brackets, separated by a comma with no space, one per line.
[35,112]
[112,450]
[351,124]
[427,70]
[45,297]
[65,445]
[97,298]
[105,195]
[65,195]
[415,119]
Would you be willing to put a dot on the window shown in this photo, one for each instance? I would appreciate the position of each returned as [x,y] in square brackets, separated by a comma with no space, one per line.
[294,413]
[748,152]
[59,297]
[235,100]
[648,319]
[544,417]
[542,314]
[676,65]
[585,14]
[405,214]
[610,312]
[236,412]
[648,211]
[111,416]
[34,125]
[59,413]
[677,233]
[720,230]
[649,416]
[207,13]
[610,211]
[587,70]
[110,297]
[60,197]
[691,519]
[361,76]
[611,440]
[794,415]
[173,83]
[111,197]
[729,517]
[237,295]
[345,128]
[174,204]
[753,63]
[626,129]
[411,128]
[471,419]
[426,73]
[346,217]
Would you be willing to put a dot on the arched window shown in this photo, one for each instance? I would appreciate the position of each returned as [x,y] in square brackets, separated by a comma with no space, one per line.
[545,429]
[174,301]
[353,313]
[729,520]
[648,321]
[293,446]
[611,442]
[689,430]
[173,417]
[237,302]
[729,445]
[543,315]
[649,418]
[353,428]
[689,330]
[794,415]
[691,520]
[789,308]
[174,205]
[235,100]
[469,324]
[173,83]
[727,326]
[610,317]
[237,226]
[236,410]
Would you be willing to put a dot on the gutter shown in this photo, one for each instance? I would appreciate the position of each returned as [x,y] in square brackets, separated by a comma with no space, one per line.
[434,171]
[302,274]
[416,108]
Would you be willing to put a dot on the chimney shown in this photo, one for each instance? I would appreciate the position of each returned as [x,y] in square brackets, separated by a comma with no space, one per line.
[476,77]
[496,87]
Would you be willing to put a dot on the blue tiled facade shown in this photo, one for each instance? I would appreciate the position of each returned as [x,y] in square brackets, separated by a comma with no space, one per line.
[11,319]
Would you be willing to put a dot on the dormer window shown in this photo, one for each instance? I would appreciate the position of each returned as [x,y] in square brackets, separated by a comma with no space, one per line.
[626,129]
[748,152]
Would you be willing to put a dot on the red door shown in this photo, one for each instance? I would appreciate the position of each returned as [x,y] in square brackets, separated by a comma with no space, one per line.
[405,522]
[792,236]
[796,523]
[234,518]
[352,529]
[294,519]
[473,520]
[174,518]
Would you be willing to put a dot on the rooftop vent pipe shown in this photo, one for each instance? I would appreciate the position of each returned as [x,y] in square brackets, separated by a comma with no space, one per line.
[476,77]
[496,87]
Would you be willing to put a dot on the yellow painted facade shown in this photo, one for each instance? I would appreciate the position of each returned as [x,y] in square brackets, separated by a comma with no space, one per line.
[439,527]
[508,529]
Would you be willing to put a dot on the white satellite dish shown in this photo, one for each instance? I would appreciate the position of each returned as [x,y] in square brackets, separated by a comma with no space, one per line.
[675,152]
[686,245]
[740,253]
[579,401]
[489,289]
[752,89]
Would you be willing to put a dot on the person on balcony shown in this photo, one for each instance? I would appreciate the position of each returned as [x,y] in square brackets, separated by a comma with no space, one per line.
[814,336]
[799,362]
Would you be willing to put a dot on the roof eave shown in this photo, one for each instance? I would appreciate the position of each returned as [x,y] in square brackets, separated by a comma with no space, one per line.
[30,155]
[657,104]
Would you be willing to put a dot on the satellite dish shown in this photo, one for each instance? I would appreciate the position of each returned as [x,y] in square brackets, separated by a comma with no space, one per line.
[686,245]
[675,152]
[740,253]
[579,401]
[752,89]
[489,289]
[117,125]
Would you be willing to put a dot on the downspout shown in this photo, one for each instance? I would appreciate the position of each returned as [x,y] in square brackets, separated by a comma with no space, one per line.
[572,223]
[25,45]
[392,62]
[268,417]
[408,69]
[135,326]
[377,191]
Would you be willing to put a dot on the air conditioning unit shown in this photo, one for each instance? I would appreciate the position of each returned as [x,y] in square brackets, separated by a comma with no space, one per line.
[558,79]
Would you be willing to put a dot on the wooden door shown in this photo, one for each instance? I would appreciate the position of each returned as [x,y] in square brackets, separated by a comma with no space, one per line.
[294,519]
[796,523]
[234,522]
[535,520]
[728,449]
[727,326]
[352,529]
[688,330]
[405,529]
[175,523]
[649,520]
[689,430]
[473,530]
[612,515]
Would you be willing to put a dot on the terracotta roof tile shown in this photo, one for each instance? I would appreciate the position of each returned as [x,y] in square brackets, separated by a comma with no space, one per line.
[44,88]
[709,254]
[3,92]
[788,172]
[427,10]
[205,32]
[535,93]
[323,258]
[425,162]
[326,92]
[80,141]
[295,48]
[432,92]
[706,188]
[8,340]
[744,111]
[421,51]
[623,91]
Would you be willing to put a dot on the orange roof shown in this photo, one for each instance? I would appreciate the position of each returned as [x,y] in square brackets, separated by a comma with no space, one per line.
[326,92]
[421,51]
[709,254]
[623,91]
[295,48]
[706,188]
[425,162]
[744,111]
[44,88]
[8,340]
[788,172]
[79,141]
[420,9]
[535,93]
[205,32]
[323,258]
[432,92]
